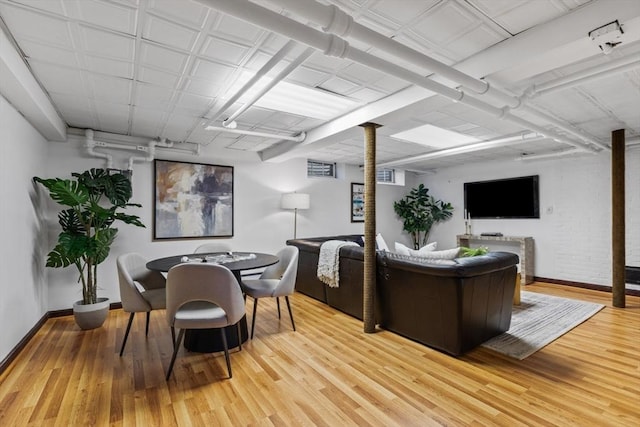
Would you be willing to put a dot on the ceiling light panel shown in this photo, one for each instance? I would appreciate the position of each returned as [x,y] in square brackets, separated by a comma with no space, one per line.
[432,136]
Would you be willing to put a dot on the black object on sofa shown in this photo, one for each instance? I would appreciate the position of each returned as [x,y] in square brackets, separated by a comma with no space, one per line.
[451,307]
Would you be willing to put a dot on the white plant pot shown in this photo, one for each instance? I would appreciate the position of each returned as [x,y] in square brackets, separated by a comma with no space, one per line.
[91,316]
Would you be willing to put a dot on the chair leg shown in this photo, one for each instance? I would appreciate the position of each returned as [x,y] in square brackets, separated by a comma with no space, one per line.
[226,350]
[253,320]
[126,334]
[278,304]
[173,337]
[239,335]
[146,330]
[286,298]
[175,352]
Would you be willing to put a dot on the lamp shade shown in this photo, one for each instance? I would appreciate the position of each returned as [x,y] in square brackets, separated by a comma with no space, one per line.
[295,201]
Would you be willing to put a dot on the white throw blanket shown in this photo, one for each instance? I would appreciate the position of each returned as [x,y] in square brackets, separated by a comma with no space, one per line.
[329,261]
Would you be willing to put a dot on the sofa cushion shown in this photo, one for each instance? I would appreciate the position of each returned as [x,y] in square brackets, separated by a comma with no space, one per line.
[421,259]
[405,250]
[381,244]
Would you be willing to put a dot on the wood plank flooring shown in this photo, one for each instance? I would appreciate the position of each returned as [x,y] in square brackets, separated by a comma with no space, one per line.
[328,373]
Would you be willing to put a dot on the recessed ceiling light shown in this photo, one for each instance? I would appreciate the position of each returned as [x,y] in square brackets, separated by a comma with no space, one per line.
[433,136]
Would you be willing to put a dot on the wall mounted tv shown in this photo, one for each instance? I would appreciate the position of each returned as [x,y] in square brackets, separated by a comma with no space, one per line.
[503,198]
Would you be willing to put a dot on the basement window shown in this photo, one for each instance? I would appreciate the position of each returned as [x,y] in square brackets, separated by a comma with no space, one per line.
[387,176]
[317,169]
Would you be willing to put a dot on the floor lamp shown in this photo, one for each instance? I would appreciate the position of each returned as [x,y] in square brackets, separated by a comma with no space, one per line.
[295,201]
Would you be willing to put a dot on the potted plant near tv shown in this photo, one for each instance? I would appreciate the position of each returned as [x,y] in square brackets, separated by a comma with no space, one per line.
[419,211]
[93,201]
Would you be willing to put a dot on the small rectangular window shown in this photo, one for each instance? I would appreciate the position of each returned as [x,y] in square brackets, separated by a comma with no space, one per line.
[321,169]
[386,175]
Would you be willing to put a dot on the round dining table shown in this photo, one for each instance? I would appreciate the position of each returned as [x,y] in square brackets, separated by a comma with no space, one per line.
[208,340]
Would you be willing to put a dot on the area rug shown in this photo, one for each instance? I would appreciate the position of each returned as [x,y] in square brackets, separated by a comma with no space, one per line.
[537,321]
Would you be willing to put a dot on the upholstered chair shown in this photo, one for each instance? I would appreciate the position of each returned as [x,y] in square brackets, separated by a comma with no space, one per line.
[141,290]
[276,281]
[212,247]
[203,296]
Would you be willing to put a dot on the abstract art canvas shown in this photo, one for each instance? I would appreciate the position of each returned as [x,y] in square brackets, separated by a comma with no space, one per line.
[192,200]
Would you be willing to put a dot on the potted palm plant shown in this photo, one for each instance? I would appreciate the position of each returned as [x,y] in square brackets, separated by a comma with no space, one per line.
[93,201]
[419,211]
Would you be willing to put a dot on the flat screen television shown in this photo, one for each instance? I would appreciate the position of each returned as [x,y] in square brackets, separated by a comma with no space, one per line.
[503,198]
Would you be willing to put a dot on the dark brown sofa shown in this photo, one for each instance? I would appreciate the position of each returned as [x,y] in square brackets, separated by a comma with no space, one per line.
[452,308]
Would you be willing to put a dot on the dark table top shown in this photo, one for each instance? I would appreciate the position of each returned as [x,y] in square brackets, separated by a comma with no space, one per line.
[234,261]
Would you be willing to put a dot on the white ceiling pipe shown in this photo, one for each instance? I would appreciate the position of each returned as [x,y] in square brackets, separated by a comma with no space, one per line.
[277,79]
[334,20]
[151,153]
[297,138]
[90,144]
[470,148]
[275,59]
[603,70]
[546,156]
[333,45]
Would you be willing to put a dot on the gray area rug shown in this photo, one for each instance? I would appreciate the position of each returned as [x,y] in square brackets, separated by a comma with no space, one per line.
[538,320]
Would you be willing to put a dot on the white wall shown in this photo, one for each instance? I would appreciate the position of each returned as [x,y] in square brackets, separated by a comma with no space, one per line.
[259,223]
[23,290]
[573,235]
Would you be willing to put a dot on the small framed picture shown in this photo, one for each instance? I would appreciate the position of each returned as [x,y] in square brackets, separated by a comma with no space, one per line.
[357,202]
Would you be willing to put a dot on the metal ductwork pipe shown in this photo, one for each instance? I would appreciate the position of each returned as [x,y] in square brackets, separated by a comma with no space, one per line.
[332,45]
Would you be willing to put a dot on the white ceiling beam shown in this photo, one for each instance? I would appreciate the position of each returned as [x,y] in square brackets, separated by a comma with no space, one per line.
[554,44]
[22,90]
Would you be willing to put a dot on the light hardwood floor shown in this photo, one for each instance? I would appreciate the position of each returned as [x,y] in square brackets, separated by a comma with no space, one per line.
[327,373]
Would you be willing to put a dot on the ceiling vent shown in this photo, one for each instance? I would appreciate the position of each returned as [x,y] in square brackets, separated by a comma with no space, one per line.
[607,37]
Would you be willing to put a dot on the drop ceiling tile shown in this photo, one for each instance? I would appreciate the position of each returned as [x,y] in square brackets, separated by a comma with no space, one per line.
[235,29]
[157,77]
[253,116]
[203,87]
[60,79]
[50,30]
[194,104]
[401,11]
[224,51]
[162,58]
[367,95]
[109,66]
[53,6]
[113,117]
[445,22]
[210,70]
[146,122]
[519,15]
[169,33]
[76,111]
[361,73]
[116,17]
[177,127]
[338,85]
[107,44]
[189,13]
[474,41]
[152,97]
[307,76]
[110,89]
[48,53]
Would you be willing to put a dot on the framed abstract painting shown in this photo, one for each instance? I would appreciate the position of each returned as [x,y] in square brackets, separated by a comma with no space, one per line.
[192,200]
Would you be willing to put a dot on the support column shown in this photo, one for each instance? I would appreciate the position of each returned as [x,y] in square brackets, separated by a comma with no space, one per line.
[369,286]
[618,255]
